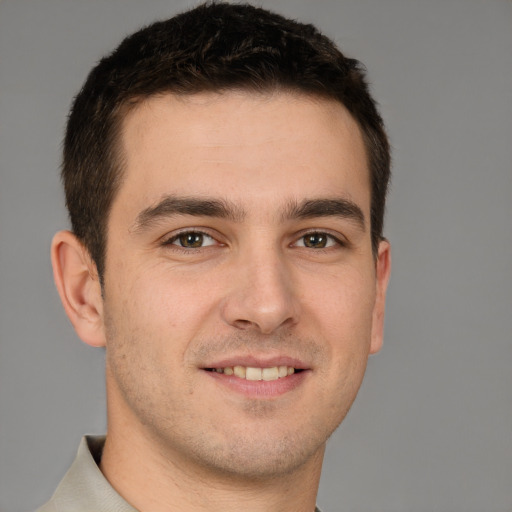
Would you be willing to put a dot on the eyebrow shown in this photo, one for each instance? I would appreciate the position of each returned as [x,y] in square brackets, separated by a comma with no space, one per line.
[171,206]
[339,207]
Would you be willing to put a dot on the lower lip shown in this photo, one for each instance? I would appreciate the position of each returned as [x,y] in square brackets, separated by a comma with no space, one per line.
[260,388]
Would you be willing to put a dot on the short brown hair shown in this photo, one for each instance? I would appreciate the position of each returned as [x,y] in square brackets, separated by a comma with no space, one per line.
[213,47]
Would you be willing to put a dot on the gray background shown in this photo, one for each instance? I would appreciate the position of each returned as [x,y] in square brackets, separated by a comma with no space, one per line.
[432,427]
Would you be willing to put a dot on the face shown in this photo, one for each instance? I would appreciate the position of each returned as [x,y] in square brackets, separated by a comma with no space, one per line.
[241,295]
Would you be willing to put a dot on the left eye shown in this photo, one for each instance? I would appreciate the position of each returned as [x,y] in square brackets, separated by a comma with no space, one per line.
[316,241]
[191,240]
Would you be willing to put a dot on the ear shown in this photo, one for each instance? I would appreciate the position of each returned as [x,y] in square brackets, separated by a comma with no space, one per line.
[383,271]
[79,287]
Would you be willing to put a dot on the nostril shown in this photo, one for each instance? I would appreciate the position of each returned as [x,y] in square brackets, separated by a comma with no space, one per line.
[265,309]
[243,324]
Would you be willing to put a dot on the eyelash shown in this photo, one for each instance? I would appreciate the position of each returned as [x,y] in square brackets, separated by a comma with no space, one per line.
[330,238]
[171,241]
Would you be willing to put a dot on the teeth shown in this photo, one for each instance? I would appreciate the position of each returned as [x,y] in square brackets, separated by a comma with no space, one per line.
[239,371]
[270,373]
[283,371]
[251,373]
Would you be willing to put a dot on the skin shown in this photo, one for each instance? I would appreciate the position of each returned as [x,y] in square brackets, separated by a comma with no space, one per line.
[256,287]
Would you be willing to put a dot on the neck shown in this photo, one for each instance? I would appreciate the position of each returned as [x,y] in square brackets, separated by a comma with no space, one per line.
[152,476]
[149,483]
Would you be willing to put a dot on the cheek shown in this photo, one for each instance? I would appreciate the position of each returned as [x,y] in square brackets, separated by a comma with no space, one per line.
[344,317]
[161,308]
[145,344]
[344,308]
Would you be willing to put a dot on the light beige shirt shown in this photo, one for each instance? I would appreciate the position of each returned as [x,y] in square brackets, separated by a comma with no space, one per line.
[84,488]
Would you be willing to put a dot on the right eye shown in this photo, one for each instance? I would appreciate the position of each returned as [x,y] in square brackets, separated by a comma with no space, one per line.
[191,240]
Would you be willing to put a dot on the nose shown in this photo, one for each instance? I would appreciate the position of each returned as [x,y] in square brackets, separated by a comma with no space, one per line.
[262,295]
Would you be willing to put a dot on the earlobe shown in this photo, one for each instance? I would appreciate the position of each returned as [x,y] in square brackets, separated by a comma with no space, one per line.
[79,287]
[383,271]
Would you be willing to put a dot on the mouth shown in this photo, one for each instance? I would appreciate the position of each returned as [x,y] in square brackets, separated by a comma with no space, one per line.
[259,378]
[256,373]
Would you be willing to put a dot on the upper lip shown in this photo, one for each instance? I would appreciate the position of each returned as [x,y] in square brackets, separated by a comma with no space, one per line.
[258,361]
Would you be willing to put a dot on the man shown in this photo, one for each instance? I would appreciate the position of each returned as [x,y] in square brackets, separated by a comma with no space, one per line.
[225,173]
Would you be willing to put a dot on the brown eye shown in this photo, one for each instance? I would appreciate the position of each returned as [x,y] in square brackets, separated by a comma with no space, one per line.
[191,240]
[316,240]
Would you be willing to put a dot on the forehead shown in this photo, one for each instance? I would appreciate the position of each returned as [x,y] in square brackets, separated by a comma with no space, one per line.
[251,148]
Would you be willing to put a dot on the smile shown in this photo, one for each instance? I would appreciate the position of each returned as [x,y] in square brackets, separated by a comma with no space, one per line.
[254,373]
[258,377]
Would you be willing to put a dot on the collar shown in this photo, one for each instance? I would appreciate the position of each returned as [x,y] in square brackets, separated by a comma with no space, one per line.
[84,487]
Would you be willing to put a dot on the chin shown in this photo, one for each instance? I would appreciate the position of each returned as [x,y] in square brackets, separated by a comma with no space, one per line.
[261,454]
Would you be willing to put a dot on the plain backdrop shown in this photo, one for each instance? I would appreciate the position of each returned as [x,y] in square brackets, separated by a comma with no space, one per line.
[431,429]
